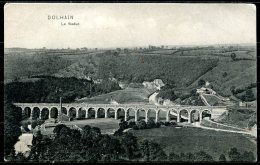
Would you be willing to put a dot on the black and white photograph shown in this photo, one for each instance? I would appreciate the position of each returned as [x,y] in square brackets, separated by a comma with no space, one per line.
[130,82]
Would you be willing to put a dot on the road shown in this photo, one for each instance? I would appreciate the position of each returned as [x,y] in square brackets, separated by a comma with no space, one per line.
[153,100]
[197,124]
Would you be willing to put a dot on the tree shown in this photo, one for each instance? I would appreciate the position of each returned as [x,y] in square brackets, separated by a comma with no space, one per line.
[174,157]
[12,130]
[129,145]
[58,128]
[222,158]
[110,148]
[141,124]
[249,95]
[150,124]
[203,157]
[234,155]
[152,151]
[248,157]
[232,89]
[36,146]
[224,74]
[233,56]
[201,82]
[123,125]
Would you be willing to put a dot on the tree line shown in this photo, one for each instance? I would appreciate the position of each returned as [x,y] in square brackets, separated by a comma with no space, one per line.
[50,89]
[89,145]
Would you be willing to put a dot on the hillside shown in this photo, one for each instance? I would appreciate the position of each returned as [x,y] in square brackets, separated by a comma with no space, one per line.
[240,117]
[128,95]
[180,68]
[230,73]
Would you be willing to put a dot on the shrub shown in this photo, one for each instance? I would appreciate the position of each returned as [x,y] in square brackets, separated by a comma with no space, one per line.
[222,158]
[141,124]
[131,124]
[119,132]
[158,125]
[201,82]
[123,125]
[224,74]
[173,123]
[167,123]
[161,123]
[135,127]
[150,124]
[34,124]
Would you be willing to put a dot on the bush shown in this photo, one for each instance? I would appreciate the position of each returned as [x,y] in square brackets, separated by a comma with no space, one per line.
[131,124]
[141,124]
[119,132]
[34,124]
[168,94]
[123,125]
[158,125]
[161,123]
[201,82]
[173,123]
[135,127]
[150,124]
[167,123]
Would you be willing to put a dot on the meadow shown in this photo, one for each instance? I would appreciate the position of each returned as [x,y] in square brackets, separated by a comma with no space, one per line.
[183,140]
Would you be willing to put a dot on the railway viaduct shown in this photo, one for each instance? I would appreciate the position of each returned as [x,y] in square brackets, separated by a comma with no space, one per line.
[83,110]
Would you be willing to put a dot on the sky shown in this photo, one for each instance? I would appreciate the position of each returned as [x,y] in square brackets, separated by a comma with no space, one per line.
[127,25]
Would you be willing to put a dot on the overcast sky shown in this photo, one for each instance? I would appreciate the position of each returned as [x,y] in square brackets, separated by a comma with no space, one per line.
[127,25]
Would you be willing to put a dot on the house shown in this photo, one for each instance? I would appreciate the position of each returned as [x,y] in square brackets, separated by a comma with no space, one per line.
[241,104]
[247,104]
[204,90]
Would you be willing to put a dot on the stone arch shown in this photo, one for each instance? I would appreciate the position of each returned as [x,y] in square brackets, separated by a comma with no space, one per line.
[72,112]
[205,113]
[151,114]
[54,112]
[64,111]
[91,113]
[100,113]
[161,115]
[172,115]
[184,115]
[45,113]
[110,113]
[120,114]
[27,111]
[19,110]
[194,116]
[36,113]
[82,113]
[140,114]
[130,114]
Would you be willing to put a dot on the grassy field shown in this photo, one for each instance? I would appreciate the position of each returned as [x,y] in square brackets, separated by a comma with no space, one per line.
[106,126]
[192,140]
[128,95]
